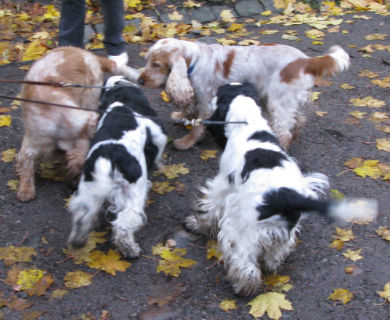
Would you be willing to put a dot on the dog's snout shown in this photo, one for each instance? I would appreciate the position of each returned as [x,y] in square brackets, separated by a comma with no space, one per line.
[141,81]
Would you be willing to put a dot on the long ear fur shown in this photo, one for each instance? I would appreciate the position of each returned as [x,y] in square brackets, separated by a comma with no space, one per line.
[178,86]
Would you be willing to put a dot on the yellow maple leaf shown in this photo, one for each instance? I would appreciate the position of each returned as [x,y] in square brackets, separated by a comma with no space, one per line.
[164,96]
[376,36]
[191,4]
[5,120]
[109,262]
[344,234]
[384,232]
[226,42]
[383,144]
[77,279]
[268,31]
[162,187]
[51,13]
[213,251]
[386,292]
[39,288]
[175,16]
[172,260]
[378,116]
[380,47]
[207,154]
[337,244]
[346,86]
[249,42]
[314,95]
[336,194]
[368,74]
[172,171]
[358,114]
[383,83]
[58,294]
[278,283]
[8,155]
[34,51]
[27,278]
[13,254]
[342,295]
[227,16]
[272,303]
[315,34]
[369,168]
[235,26]
[266,13]
[227,305]
[383,128]
[367,102]
[53,170]
[82,255]
[13,184]
[353,255]
[367,49]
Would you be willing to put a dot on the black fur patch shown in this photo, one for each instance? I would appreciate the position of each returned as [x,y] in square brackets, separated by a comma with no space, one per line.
[289,204]
[150,149]
[231,178]
[225,95]
[261,159]
[264,136]
[120,159]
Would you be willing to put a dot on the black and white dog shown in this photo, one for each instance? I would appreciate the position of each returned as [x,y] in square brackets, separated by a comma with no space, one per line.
[254,204]
[127,143]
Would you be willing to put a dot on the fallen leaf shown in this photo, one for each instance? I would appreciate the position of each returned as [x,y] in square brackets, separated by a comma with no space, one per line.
[383,232]
[213,250]
[28,277]
[13,254]
[342,295]
[346,86]
[321,113]
[58,294]
[227,305]
[162,187]
[336,194]
[376,36]
[172,260]
[35,50]
[379,117]
[164,96]
[383,144]
[344,234]
[337,244]
[32,314]
[39,288]
[8,155]
[383,83]
[314,95]
[175,16]
[272,303]
[207,154]
[358,114]
[353,255]
[367,49]
[13,184]
[172,171]
[368,73]
[109,262]
[77,279]
[18,304]
[227,16]
[367,102]
[278,283]
[386,292]
[369,168]
[191,4]
[5,120]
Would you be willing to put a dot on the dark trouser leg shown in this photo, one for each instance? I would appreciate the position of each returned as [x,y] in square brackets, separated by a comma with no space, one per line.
[113,26]
[71,29]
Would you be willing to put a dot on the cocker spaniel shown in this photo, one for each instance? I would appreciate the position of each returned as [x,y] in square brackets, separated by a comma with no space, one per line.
[255,203]
[50,128]
[193,71]
[115,177]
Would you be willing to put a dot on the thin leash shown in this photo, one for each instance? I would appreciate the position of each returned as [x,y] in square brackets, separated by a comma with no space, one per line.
[53,84]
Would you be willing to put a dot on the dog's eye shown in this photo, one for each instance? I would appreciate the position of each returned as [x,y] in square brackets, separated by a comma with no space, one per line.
[156,65]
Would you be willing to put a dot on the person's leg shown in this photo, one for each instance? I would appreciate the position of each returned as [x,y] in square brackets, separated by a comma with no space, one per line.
[71,29]
[113,26]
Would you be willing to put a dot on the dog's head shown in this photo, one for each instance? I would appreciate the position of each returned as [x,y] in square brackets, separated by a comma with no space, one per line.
[222,104]
[118,89]
[167,63]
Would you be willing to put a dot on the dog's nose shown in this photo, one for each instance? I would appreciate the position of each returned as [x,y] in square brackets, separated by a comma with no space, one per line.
[141,81]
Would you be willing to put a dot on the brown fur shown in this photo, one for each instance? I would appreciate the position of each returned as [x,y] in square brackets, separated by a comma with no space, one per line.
[49,128]
[227,64]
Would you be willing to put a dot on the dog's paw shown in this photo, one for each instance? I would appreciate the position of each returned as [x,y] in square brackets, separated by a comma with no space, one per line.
[191,224]
[183,143]
[245,280]
[129,249]
[26,192]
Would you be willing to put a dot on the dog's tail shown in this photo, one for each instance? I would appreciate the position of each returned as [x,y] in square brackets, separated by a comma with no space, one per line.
[112,67]
[336,60]
[288,203]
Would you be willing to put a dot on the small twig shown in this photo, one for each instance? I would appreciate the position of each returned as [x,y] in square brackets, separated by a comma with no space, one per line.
[366,142]
[342,172]
[210,266]
[149,257]
[26,235]
[97,271]
[196,246]
[48,252]
[64,260]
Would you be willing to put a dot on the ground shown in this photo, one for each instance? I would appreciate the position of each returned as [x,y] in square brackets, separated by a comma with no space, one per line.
[329,138]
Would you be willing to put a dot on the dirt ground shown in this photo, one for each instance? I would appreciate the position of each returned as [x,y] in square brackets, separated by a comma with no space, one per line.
[315,269]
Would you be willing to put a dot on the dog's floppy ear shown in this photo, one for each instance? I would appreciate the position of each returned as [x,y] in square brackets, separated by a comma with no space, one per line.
[178,86]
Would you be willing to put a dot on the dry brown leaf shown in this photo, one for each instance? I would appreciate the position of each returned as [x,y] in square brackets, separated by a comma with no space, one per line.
[13,254]
[77,279]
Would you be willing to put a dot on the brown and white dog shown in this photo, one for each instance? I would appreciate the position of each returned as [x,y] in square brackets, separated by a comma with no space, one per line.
[49,128]
[193,71]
